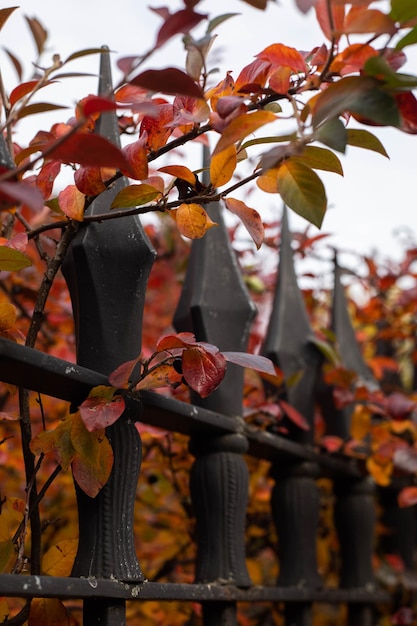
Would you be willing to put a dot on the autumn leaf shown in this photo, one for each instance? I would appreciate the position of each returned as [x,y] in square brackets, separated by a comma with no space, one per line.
[57,441]
[46,178]
[180,340]
[170,80]
[14,193]
[254,361]
[302,190]
[101,409]
[12,260]
[72,203]
[88,180]
[180,171]
[87,149]
[365,139]
[59,559]
[242,126]
[121,377]
[222,166]
[280,55]
[407,497]
[181,21]
[250,218]
[294,415]
[135,195]
[49,611]
[163,376]
[192,220]
[137,157]
[202,370]
[365,20]
[96,104]
[5,14]
[93,458]
[158,128]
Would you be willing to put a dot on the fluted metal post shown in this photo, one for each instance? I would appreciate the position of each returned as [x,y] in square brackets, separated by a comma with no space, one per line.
[295,499]
[216,307]
[355,515]
[107,270]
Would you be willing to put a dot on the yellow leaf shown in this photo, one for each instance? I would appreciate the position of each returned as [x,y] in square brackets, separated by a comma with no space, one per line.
[7,554]
[250,218]
[268,181]
[242,126]
[361,422]
[4,610]
[222,166]
[380,470]
[47,611]
[163,376]
[7,315]
[59,559]
[193,221]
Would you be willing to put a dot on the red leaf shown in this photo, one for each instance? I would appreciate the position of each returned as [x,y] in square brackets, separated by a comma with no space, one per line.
[72,202]
[99,412]
[202,370]
[407,105]
[283,56]
[407,497]
[88,149]
[120,378]
[158,128]
[170,81]
[294,415]
[88,180]
[137,158]
[399,406]
[181,340]
[253,361]
[12,193]
[179,22]
[96,104]
[46,178]
[331,443]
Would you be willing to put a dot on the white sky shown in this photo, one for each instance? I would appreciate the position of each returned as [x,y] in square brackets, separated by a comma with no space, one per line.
[374,201]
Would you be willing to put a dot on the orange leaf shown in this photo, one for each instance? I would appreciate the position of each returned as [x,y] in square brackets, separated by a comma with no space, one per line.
[255,73]
[283,56]
[7,315]
[242,126]
[193,221]
[163,376]
[46,177]
[365,20]
[222,166]
[250,219]
[158,128]
[48,611]
[89,181]
[72,203]
[171,342]
[380,470]
[137,158]
[180,171]
[352,58]
[361,422]
[331,27]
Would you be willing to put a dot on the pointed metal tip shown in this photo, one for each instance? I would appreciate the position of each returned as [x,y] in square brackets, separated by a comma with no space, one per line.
[107,125]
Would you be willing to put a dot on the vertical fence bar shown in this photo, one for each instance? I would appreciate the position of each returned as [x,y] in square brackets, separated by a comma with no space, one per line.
[355,515]
[107,271]
[215,306]
[295,499]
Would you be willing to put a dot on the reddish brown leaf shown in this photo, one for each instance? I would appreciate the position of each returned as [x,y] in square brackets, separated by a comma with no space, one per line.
[407,104]
[88,149]
[202,370]
[331,443]
[39,33]
[158,129]
[399,406]
[88,180]
[332,25]
[170,80]
[96,104]
[179,22]
[365,20]
[13,193]
[180,340]
[22,90]
[294,415]
[121,376]
[136,155]
[255,73]
[250,219]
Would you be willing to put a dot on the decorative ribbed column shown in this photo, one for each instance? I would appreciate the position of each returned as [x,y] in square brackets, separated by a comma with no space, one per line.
[295,499]
[107,270]
[355,515]
[215,306]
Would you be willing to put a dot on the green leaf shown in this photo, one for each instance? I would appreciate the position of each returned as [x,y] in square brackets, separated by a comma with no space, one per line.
[333,134]
[216,21]
[321,159]
[135,195]
[363,96]
[275,139]
[378,67]
[403,10]
[326,350]
[302,190]
[408,40]
[365,139]
[12,260]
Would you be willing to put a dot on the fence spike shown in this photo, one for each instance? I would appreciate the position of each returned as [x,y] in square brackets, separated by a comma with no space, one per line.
[215,306]
[288,340]
[106,269]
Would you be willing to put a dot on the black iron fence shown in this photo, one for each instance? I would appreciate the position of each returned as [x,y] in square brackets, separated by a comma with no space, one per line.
[107,270]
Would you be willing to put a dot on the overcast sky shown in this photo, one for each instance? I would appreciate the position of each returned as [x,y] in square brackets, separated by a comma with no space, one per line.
[368,208]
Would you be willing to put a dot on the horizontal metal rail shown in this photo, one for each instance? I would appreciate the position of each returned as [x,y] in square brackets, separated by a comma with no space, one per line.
[82,588]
